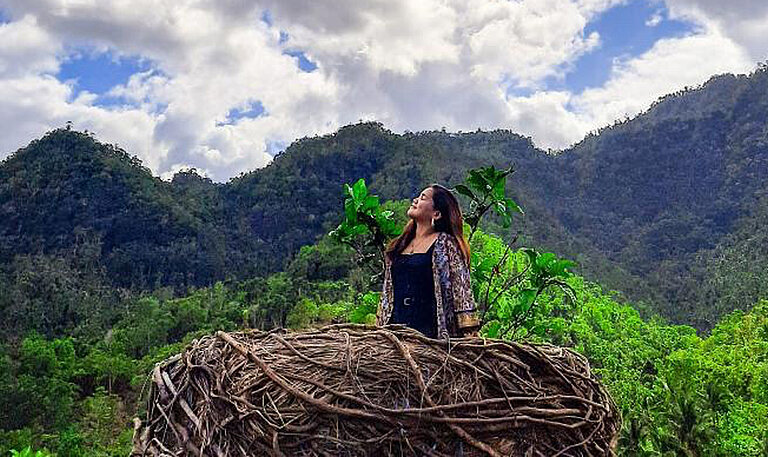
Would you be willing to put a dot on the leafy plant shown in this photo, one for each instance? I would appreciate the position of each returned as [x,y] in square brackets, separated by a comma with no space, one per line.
[511,283]
[365,311]
[366,227]
[486,189]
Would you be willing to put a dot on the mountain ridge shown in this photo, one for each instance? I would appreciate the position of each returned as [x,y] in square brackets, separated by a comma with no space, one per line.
[637,203]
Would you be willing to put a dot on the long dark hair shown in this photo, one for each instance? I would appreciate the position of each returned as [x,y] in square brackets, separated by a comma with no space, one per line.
[451,222]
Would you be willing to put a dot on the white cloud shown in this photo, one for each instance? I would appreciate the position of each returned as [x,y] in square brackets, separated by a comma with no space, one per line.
[743,21]
[590,8]
[544,117]
[669,66]
[654,20]
[441,64]
[23,41]
[206,64]
[558,119]
[508,39]
[414,65]
[33,104]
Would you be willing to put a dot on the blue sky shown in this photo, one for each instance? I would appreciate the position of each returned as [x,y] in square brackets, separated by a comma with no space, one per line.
[304,63]
[626,31]
[224,86]
[251,110]
[98,72]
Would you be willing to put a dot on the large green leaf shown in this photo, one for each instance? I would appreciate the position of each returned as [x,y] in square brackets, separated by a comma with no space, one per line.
[499,184]
[466,191]
[525,299]
[359,229]
[359,190]
[478,181]
[513,206]
[531,253]
[371,202]
[350,211]
[560,268]
[544,260]
[502,210]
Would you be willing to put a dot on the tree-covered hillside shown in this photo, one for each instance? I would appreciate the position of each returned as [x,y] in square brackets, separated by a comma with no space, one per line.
[654,193]
[75,350]
[70,196]
[664,207]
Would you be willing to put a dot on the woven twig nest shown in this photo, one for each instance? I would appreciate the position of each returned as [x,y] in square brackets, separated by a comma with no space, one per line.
[353,390]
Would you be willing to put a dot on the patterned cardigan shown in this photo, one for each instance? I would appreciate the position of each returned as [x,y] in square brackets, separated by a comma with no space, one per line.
[456,310]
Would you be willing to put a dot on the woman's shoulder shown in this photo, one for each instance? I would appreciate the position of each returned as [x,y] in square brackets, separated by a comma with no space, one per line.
[446,237]
[448,243]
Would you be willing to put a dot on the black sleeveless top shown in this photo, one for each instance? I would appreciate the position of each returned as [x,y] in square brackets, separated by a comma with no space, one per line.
[414,292]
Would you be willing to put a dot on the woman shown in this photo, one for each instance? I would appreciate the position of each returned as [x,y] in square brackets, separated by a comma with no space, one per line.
[426,274]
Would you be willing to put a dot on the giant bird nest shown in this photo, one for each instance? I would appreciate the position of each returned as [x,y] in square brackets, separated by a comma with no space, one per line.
[352,390]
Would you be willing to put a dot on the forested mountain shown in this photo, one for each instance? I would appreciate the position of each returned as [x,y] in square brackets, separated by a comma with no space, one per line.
[674,196]
[668,207]
[68,195]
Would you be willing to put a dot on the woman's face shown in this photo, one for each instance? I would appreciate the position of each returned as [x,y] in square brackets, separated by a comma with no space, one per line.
[421,206]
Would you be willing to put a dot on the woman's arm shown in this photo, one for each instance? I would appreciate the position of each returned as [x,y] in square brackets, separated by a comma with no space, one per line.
[464,307]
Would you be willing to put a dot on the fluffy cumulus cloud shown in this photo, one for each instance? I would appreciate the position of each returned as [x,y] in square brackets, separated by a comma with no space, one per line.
[225,80]
[670,65]
[743,21]
[23,41]
[561,118]
[205,64]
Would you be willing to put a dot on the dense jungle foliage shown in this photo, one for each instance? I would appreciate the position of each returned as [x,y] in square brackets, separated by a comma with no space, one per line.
[680,394]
